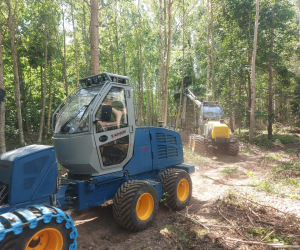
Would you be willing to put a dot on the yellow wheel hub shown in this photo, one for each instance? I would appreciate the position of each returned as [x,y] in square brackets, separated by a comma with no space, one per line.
[46,239]
[144,206]
[183,190]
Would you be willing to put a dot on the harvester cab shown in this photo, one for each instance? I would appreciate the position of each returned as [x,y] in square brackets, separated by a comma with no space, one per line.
[211,128]
[97,117]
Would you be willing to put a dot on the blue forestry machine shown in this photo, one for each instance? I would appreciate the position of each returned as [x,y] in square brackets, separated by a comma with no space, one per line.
[107,157]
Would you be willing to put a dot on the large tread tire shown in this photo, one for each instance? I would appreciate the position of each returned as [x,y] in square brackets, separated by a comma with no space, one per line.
[233,149]
[190,141]
[171,180]
[56,228]
[125,204]
[199,146]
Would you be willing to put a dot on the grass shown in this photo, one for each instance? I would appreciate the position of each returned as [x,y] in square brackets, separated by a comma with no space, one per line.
[283,179]
[229,170]
[281,135]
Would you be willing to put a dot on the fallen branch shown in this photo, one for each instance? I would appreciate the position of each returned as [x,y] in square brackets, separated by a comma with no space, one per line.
[277,246]
[171,236]
[267,235]
[231,224]
[265,205]
[192,219]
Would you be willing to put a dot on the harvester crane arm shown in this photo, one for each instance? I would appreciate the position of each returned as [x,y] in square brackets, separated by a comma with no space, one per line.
[194,99]
[188,93]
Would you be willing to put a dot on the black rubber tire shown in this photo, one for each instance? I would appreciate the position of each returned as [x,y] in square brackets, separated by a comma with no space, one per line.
[233,149]
[209,150]
[170,180]
[125,201]
[191,138]
[199,145]
[19,242]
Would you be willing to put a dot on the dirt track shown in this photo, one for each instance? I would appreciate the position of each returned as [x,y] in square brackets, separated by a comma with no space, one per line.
[98,230]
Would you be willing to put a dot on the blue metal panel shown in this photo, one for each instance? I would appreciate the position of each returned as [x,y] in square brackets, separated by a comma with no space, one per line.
[188,168]
[141,160]
[166,147]
[48,183]
[29,171]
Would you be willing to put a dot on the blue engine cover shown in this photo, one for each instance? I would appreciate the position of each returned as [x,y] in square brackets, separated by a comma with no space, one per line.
[29,172]
[154,148]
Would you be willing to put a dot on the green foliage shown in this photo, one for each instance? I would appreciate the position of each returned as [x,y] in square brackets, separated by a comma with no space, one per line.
[124,25]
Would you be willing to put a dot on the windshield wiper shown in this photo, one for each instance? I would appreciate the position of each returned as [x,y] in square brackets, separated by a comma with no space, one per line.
[62,128]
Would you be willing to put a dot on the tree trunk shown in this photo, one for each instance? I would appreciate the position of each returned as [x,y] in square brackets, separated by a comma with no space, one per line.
[117,37]
[208,53]
[270,70]
[85,43]
[65,56]
[50,97]
[42,122]
[141,78]
[23,92]
[182,73]
[147,82]
[159,83]
[252,117]
[167,67]
[213,87]
[75,43]
[239,110]
[2,105]
[94,37]
[11,20]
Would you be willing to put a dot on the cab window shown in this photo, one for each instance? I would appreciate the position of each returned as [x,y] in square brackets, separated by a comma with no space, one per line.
[112,113]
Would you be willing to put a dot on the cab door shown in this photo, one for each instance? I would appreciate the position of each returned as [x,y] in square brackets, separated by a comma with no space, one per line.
[114,128]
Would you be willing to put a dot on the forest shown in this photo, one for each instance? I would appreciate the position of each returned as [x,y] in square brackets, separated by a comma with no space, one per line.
[164,46]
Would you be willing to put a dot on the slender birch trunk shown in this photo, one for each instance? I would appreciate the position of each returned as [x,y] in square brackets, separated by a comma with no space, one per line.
[167,67]
[213,87]
[117,37]
[252,117]
[2,105]
[208,53]
[65,56]
[270,70]
[42,122]
[159,82]
[85,42]
[11,21]
[94,37]
[75,44]
[182,73]
[50,97]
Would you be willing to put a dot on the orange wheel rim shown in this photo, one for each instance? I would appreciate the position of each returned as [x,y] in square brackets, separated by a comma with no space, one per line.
[46,239]
[145,206]
[183,190]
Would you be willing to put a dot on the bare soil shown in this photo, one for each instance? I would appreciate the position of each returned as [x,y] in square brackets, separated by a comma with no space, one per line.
[219,212]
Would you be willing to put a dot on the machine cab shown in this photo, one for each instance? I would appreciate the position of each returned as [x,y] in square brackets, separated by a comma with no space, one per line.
[93,129]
